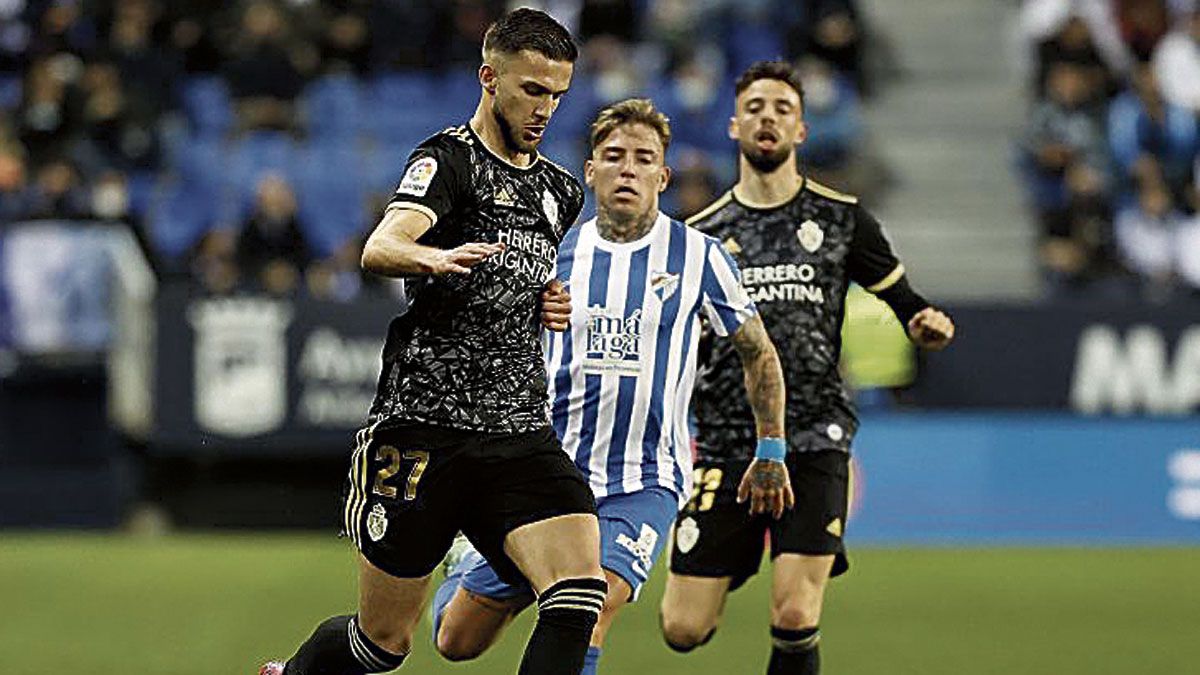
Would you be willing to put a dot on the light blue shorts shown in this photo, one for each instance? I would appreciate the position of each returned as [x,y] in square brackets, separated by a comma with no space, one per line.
[633,531]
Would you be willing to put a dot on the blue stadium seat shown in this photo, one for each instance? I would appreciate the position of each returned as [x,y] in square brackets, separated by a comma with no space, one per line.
[408,107]
[331,190]
[568,151]
[747,42]
[333,107]
[142,186]
[460,89]
[10,92]
[208,105]
[384,166]
[182,214]
[576,110]
[702,128]
[249,159]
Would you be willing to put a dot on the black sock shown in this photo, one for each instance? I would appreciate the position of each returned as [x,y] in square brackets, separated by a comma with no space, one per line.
[567,612]
[795,652]
[339,647]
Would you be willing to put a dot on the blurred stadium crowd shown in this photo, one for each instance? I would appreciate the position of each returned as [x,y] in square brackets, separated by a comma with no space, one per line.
[252,144]
[1109,155]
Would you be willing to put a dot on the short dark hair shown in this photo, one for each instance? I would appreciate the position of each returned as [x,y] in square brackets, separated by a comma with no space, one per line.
[770,70]
[530,29]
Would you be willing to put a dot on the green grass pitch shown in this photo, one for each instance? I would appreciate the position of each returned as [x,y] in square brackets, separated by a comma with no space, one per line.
[203,605]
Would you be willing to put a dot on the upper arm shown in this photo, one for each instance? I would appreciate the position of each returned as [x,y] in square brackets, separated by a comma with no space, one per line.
[871,262]
[403,223]
[434,181]
[726,302]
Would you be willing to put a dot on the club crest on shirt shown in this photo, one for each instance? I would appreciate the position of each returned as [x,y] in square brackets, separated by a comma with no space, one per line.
[810,235]
[663,284]
[377,522]
[687,534]
[550,206]
[418,178]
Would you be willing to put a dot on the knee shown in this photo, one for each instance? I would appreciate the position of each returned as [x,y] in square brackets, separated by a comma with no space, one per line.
[683,634]
[795,615]
[456,646]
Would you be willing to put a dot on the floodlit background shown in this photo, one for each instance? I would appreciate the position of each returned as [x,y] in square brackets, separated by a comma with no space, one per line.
[186,343]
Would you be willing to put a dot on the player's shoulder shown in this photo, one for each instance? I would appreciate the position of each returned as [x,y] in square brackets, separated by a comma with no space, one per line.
[451,140]
[716,212]
[563,177]
[695,237]
[820,191]
[558,169]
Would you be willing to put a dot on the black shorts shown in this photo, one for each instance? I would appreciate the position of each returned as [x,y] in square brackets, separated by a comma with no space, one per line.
[715,536]
[411,488]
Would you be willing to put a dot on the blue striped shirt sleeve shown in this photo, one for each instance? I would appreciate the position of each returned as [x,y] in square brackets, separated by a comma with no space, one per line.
[725,300]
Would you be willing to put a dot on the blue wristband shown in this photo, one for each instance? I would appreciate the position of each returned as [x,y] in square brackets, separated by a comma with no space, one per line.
[771,449]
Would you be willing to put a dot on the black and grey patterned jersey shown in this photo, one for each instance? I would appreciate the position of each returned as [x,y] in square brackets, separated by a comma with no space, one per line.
[797,261]
[467,352]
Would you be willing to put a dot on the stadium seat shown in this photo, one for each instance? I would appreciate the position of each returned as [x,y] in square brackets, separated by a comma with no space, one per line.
[750,41]
[182,214]
[142,186]
[460,89]
[330,184]
[408,107]
[333,107]
[10,92]
[249,159]
[385,164]
[576,110]
[208,106]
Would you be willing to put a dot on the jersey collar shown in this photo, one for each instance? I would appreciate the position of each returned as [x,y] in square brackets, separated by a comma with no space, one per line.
[537,157]
[768,207]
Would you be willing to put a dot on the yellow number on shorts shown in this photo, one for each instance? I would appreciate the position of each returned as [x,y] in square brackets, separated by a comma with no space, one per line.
[420,459]
[705,493]
[389,454]
[386,453]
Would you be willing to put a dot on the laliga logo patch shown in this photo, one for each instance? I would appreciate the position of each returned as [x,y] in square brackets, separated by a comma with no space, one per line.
[377,522]
[686,535]
[550,206]
[810,235]
[418,178]
[663,284]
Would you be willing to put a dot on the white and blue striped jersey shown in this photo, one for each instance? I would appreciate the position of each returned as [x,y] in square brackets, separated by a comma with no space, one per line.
[621,376]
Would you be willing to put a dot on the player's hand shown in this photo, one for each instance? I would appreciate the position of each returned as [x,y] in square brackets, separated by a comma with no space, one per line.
[460,260]
[556,306]
[767,485]
[931,329]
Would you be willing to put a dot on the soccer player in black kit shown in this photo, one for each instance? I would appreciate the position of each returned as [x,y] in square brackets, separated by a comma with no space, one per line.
[799,245]
[458,437]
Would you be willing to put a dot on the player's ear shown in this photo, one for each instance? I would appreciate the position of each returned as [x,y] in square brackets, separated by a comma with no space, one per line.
[664,178]
[589,173]
[802,132]
[733,128]
[487,78]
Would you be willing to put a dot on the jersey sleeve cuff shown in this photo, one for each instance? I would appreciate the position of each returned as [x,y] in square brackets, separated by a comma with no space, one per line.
[888,281]
[413,206]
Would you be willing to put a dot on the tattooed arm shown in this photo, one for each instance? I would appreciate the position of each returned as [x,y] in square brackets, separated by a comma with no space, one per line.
[766,483]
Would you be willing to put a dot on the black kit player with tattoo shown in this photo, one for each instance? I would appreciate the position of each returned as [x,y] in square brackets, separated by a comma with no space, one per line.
[799,245]
[458,437]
